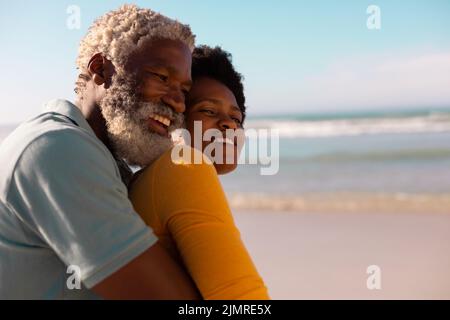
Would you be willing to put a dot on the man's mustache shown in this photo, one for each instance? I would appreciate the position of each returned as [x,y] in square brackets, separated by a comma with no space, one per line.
[149,109]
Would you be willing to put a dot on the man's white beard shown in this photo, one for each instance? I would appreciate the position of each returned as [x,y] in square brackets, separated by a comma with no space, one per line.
[126,120]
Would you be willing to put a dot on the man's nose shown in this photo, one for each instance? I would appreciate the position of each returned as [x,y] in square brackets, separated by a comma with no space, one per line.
[175,99]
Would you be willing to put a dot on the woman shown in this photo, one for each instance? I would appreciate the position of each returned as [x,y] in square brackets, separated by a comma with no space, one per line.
[185,204]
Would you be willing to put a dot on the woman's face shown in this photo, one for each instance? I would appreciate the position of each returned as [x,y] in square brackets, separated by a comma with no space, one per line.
[213,104]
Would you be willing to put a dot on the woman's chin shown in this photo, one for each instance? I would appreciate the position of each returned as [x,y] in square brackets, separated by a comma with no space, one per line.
[225,168]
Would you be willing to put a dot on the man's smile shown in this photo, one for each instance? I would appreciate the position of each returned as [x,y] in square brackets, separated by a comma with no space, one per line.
[164,120]
[159,124]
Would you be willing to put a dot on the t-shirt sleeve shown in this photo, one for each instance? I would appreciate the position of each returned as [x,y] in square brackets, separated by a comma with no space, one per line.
[67,189]
[191,204]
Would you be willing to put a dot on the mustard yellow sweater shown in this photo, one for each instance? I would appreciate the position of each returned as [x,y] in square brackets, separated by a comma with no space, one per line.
[186,207]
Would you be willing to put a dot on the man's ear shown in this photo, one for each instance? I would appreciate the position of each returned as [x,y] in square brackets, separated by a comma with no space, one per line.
[96,68]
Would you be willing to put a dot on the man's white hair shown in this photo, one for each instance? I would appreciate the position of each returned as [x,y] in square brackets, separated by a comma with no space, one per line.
[120,32]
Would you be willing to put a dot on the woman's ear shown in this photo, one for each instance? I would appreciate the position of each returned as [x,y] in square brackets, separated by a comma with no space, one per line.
[96,68]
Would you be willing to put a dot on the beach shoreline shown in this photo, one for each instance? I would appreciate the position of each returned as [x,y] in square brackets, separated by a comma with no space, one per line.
[343,202]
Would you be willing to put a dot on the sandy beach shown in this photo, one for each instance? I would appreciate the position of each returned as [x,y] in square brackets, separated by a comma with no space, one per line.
[325,256]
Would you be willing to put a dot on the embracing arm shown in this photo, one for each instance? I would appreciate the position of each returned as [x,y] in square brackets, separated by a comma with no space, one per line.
[73,198]
[152,275]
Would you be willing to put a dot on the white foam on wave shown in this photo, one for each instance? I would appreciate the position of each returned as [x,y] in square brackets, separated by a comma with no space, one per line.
[432,123]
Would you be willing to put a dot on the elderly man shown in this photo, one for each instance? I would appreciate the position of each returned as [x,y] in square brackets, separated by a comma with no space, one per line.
[65,215]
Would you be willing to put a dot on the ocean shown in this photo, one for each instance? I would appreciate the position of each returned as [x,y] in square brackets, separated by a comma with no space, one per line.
[372,161]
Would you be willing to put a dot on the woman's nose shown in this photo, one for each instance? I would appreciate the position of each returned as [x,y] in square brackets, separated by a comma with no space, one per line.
[227,123]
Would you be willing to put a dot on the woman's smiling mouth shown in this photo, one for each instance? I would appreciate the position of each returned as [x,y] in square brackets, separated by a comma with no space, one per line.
[224,141]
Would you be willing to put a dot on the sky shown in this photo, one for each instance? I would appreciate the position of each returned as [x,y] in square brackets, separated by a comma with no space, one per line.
[296,56]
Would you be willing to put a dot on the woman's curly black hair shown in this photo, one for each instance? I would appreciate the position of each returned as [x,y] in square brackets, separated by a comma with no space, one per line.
[216,63]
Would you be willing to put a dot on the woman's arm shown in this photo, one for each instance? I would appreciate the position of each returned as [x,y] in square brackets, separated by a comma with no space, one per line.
[215,256]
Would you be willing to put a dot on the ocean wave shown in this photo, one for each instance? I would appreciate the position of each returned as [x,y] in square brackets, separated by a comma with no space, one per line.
[342,202]
[388,155]
[294,128]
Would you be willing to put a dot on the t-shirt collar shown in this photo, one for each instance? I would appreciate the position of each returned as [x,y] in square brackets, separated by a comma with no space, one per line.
[69,110]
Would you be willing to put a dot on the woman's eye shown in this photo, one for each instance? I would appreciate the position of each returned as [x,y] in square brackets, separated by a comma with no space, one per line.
[238,121]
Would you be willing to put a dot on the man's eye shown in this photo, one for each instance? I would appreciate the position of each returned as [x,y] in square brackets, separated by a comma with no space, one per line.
[161,77]
[208,112]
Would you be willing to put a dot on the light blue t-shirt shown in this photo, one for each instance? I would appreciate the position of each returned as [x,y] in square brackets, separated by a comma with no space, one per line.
[62,203]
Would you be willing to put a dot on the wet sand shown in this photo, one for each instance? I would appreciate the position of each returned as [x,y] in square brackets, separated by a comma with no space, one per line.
[325,256]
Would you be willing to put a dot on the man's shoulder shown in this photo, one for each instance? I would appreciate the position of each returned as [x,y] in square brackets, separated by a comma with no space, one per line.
[48,142]
[63,140]
[47,132]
